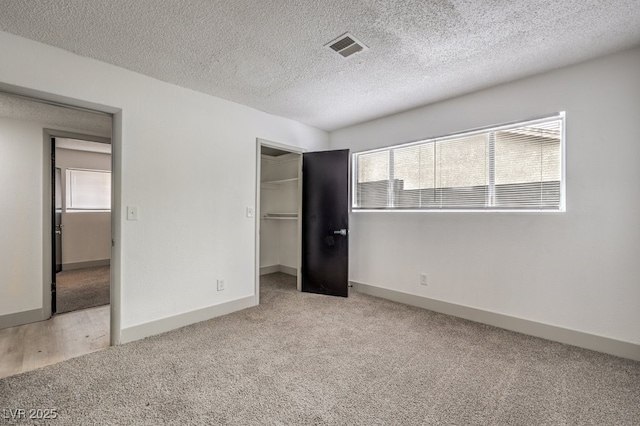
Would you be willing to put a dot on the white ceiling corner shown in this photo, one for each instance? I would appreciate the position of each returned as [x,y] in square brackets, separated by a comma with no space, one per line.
[270,55]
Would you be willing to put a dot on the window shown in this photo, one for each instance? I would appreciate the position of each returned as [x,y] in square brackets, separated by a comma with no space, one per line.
[510,167]
[88,190]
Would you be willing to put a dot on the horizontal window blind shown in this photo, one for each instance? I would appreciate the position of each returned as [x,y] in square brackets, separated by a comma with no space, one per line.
[518,166]
[88,189]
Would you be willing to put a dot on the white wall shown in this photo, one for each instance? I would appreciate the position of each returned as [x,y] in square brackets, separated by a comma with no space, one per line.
[577,270]
[188,163]
[86,236]
[21,216]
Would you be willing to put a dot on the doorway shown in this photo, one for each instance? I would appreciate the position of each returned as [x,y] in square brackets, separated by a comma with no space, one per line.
[302,217]
[27,121]
[278,213]
[81,218]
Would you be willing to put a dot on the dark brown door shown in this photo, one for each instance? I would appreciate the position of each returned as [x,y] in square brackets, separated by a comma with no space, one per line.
[58,218]
[56,221]
[325,222]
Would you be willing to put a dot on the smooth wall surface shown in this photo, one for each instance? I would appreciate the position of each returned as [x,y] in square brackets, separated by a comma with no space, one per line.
[577,270]
[21,216]
[188,164]
[86,236]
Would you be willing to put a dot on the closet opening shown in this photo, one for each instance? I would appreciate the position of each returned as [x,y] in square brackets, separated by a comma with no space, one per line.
[278,215]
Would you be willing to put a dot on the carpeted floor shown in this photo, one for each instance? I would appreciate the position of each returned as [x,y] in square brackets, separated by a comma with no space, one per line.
[306,359]
[82,288]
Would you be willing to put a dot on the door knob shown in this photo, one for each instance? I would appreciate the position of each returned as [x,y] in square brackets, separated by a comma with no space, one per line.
[340,232]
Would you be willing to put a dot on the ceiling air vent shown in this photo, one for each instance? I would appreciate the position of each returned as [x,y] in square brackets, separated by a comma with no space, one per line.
[346,45]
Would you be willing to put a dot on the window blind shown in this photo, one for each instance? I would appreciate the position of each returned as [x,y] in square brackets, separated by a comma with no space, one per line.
[88,190]
[517,166]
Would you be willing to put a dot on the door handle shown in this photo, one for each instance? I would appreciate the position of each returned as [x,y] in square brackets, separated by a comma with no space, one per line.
[59,231]
[340,232]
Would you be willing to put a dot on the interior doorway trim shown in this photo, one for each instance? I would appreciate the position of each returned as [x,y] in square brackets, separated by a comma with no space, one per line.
[270,144]
[114,290]
[116,187]
[114,281]
[48,135]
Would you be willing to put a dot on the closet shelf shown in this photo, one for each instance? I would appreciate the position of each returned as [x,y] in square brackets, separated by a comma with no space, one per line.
[278,182]
[280,216]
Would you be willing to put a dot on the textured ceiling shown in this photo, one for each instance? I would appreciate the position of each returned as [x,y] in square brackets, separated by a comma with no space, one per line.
[53,116]
[269,54]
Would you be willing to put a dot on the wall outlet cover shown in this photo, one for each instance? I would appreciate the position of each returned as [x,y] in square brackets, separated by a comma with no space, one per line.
[220,285]
[423,279]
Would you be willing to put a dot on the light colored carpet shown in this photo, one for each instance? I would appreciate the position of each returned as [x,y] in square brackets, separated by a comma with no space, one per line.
[82,288]
[307,359]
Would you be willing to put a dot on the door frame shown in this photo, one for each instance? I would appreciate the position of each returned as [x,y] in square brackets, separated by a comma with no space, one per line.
[48,265]
[47,258]
[294,150]
[116,114]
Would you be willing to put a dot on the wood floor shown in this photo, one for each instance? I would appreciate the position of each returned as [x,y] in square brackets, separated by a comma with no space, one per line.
[64,336]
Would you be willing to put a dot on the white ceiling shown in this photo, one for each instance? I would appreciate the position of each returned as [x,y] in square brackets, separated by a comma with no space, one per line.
[269,54]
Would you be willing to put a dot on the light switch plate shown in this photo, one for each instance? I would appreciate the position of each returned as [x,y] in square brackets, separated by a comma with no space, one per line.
[250,212]
[132,212]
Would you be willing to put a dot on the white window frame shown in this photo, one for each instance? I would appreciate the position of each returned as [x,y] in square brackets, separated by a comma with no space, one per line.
[67,204]
[494,128]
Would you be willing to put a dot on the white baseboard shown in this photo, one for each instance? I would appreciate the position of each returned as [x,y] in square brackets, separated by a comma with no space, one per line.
[20,318]
[278,268]
[532,328]
[288,270]
[152,328]
[269,269]
[87,264]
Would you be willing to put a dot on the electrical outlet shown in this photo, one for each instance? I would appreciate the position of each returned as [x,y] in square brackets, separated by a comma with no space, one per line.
[220,285]
[423,279]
